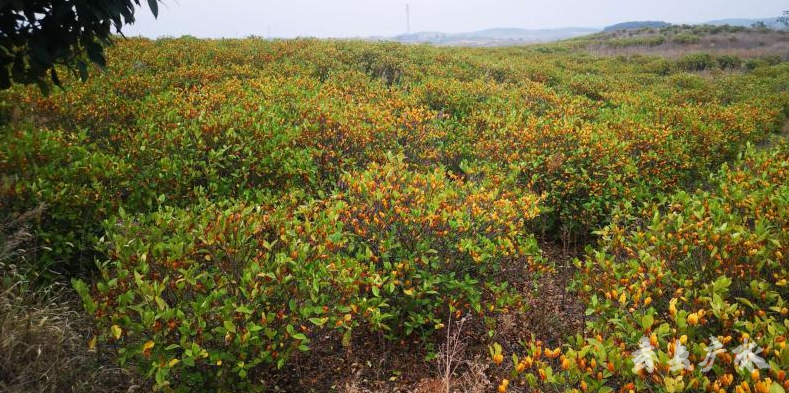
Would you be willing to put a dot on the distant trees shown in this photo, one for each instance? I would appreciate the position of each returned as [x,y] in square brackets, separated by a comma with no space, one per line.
[785,19]
[37,35]
[760,25]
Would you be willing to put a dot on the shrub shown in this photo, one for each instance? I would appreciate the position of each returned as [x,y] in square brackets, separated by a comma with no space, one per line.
[764,61]
[298,131]
[435,241]
[729,62]
[752,64]
[79,185]
[658,66]
[709,263]
[210,297]
[696,62]
[589,86]
[685,39]
[655,40]
[772,59]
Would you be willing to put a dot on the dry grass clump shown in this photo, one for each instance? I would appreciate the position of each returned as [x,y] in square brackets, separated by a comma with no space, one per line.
[15,235]
[43,335]
[39,342]
[451,353]
[451,360]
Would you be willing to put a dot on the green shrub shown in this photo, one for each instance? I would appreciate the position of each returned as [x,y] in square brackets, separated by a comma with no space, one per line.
[213,296]
[729,62]
[685,39]
[591,86]
[710,263]
[773,59]
[658,66]
[80,185]
[654,40]
[752,64]
[697,62]
[209,297]
[434,241]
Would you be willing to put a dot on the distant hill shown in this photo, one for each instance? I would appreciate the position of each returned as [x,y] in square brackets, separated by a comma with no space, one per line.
[637,25]
[770,22]
[495,37]
[518,36]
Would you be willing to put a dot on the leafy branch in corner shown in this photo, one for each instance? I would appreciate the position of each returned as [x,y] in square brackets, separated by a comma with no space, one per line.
[38,35]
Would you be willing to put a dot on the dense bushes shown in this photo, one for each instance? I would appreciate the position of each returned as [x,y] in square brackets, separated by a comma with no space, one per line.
[242,197]
[206,297]
[80,185]
[293,127]
[209,296]
[709,263]
[702,62]
[436,242]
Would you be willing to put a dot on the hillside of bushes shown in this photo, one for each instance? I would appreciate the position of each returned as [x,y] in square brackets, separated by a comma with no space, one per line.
[231,212]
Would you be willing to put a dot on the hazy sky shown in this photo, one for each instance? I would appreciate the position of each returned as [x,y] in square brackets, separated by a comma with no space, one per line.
[351,18]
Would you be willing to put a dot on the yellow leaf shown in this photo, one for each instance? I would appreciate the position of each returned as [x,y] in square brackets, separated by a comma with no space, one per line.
[92,343]
[148,345]
[116,331]
[174,362]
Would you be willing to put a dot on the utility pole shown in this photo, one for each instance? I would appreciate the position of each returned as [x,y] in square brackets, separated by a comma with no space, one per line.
[407,19]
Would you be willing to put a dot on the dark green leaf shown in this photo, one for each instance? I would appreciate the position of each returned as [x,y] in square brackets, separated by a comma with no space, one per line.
[154,4]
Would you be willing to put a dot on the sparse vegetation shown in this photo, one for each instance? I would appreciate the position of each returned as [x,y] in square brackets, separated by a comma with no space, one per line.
[680,40]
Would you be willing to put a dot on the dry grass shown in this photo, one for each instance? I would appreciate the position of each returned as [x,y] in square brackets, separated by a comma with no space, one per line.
[42,348]
[743,44]
[14,236]
[451,352]
[475,379]
[43,336]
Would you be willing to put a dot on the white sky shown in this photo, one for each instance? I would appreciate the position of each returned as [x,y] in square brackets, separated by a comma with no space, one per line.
[355,18]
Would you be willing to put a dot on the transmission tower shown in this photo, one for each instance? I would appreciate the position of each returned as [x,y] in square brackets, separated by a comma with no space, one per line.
[407,19]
